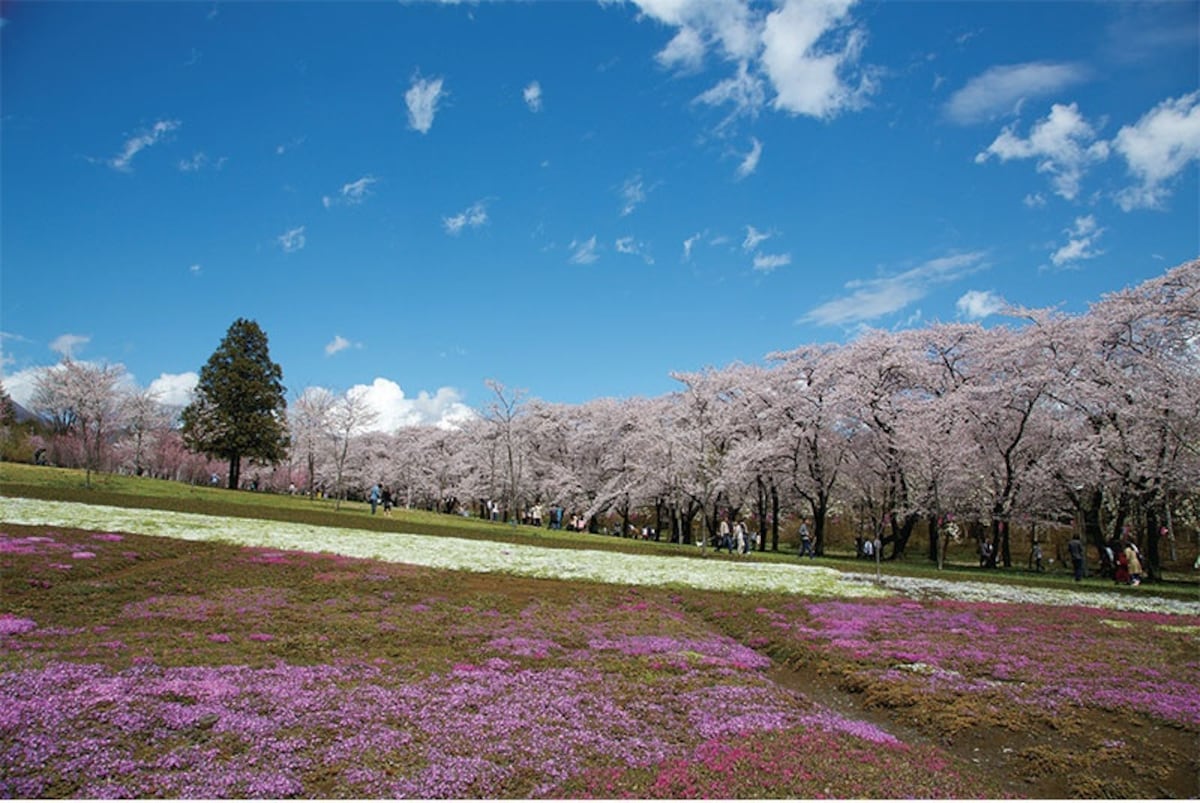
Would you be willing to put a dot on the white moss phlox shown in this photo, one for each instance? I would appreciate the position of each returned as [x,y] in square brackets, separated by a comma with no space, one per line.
[449,553]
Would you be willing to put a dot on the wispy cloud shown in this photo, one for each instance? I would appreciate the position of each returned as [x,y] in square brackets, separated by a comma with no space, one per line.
[533,96]
[1081,242]
[766,263]
[685,52]
[1157,148]
[472,217]
[292,239]
[422,99]
[1064,145]
[339,343]
[634,247]
[870,299]
[351,194]
[1004,89]
[67,344]
[750,160]
[975,305]
[200,161]
[138,143]
[633,194]
[583,252]
[754,238]
[689,244]
[744,91]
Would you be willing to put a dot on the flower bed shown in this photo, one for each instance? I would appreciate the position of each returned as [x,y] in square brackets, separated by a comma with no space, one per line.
[198,667]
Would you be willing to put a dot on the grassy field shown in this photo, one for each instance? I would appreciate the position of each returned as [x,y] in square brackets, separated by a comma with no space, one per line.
[275,647]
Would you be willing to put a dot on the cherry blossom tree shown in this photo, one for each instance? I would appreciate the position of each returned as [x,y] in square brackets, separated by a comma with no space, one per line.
[810,435]
[350,415]
[85,400]
[310,424]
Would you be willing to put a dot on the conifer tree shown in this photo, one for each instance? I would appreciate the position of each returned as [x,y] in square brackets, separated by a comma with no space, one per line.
[239,409]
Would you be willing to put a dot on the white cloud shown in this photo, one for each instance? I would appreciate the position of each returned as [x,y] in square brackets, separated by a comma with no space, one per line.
[689,244]
[808,47]
[1034,200]
[394,410]
[533,96]
[976,305]
[583,253]
[136,144]
[633,193]
[765,263]
[67,344]
[1157,148]
[422,101]
[473,217]
[754,237]
[195,270]
[174,390]
[351,194]
[1064,145]
[338,343]
[1081,242]
[806,50]
[21,385]
[870,299]
[1002,90]
[728,24]
[750,161]
[292,239]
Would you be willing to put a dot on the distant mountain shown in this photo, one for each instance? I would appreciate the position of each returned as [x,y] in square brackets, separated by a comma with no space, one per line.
[21,415]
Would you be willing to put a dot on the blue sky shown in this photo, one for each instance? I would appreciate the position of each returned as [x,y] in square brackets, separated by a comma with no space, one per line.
[573,198]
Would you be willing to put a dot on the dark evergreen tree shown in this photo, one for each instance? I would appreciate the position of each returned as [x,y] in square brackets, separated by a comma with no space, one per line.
[239,409]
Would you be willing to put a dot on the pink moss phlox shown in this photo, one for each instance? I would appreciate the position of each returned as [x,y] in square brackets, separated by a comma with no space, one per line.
[12,625]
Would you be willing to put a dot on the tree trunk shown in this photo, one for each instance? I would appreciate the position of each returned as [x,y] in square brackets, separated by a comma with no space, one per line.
[1153,555]
[761,507]
[933,539]
[235,471]
[820,511]
[774,518]
[901,532]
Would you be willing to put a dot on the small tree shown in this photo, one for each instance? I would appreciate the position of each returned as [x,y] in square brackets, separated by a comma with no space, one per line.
[239,409]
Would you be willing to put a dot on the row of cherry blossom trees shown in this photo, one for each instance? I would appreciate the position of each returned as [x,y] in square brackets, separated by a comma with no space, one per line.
[1092,417]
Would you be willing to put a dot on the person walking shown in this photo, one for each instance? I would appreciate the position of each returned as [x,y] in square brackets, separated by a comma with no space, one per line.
[1075,549]
[806,544]
[373,497]
[725,541]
